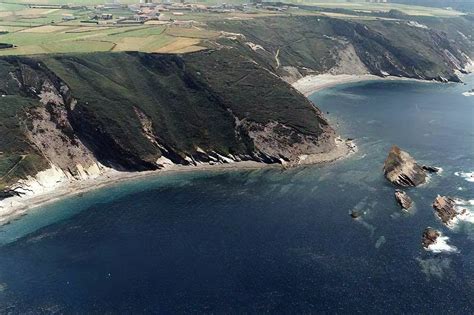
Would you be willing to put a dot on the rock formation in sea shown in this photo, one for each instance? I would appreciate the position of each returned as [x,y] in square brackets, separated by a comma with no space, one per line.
[403,199]
[355,214]
[431,169]
[429,237]
[402,170]
[445,208]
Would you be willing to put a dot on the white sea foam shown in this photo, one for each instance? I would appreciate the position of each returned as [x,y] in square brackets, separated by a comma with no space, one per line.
[468,93]
[462,202]
[465,208]
[441,246]
[469,176]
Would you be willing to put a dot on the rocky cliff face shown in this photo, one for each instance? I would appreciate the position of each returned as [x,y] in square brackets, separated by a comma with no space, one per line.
[139,112]
[73,115]
[402,170]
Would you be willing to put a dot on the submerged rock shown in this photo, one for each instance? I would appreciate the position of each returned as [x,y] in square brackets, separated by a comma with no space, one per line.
[445,208]
[431,169]
[403,199]
[355,214]
[402,170]
[429,237]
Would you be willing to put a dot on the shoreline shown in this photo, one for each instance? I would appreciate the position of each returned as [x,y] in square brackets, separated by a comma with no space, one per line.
[15,207]
[314,83]
[20,205]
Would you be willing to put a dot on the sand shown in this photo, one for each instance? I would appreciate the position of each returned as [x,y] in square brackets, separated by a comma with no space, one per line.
[313,83]
[15,207]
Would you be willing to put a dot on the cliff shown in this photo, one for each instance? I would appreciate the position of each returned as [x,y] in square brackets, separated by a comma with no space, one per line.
[413,47]
[68,117]
[134,111]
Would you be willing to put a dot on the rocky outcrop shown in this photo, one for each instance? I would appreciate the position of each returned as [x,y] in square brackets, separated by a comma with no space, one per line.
[445,208]
[403,199]
[402,170]
[431,169]
[429,237]
[283,142]
[355,214]
[131,111]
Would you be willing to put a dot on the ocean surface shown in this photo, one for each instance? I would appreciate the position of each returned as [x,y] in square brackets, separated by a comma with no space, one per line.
[266,240]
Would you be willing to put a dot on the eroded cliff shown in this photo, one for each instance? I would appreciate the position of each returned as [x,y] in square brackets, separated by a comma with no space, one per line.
[134,111]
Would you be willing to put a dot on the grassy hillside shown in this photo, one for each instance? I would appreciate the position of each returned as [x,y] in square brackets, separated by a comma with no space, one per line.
[132,108]
[398,47]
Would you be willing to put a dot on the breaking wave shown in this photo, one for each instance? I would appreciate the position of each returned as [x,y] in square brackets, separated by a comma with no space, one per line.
[469,176]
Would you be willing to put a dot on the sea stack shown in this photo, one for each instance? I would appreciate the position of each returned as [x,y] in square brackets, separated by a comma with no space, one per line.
[429,237]
[402,170]
[445,208]
[403,199]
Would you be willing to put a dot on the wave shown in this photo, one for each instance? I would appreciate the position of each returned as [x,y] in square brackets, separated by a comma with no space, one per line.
[469,176]
[441,246]
[465,208]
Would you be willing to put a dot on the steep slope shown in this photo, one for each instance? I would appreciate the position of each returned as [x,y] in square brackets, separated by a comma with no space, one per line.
[303,45]
[69,116]
[134,111]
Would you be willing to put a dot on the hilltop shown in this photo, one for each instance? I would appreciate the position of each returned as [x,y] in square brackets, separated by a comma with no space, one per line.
[217,92]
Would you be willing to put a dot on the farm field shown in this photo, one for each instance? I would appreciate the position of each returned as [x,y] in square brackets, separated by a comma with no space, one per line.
[45,30]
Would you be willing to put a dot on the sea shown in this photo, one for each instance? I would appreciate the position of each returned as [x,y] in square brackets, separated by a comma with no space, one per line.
[269,240]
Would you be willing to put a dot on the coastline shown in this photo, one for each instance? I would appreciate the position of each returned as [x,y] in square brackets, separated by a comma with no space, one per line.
[15,207]
[314,83]
[20,205]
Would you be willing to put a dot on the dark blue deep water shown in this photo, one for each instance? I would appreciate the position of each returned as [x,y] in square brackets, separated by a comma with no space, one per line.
[265,240]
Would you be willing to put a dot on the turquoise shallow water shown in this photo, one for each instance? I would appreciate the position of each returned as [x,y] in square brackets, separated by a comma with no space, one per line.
[265,240]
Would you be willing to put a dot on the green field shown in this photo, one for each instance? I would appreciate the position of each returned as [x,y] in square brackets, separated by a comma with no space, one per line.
[42,30]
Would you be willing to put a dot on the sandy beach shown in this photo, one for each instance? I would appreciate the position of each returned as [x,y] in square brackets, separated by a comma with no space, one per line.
[313,83]
[15,207]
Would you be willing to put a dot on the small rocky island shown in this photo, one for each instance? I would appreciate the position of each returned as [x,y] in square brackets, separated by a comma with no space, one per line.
[429,237]
[402,170]
[403,199]
[445,208]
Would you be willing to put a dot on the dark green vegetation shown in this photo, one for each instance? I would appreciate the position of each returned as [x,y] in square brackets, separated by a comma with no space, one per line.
[132,108]
[127,110]
[427,48]
[17,157]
